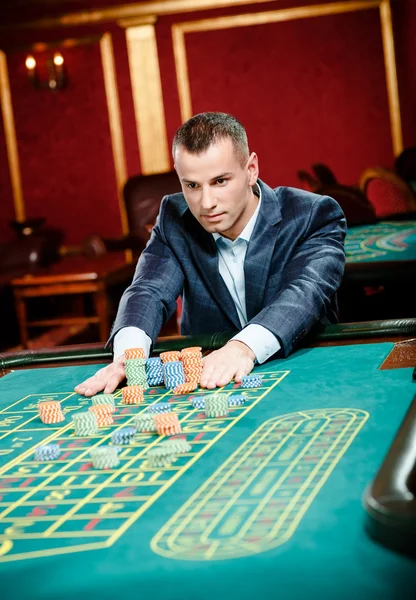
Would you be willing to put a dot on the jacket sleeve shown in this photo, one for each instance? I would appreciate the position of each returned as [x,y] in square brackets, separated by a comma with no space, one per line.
[311,277]
[150,300]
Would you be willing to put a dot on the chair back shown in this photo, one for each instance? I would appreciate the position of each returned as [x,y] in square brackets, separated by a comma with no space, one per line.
[142,196]
[389,194]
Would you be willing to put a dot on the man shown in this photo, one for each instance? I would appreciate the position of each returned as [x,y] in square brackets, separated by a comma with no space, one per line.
[243,257]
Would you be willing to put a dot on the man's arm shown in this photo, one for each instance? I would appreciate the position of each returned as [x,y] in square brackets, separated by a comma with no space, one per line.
[146,304]
[311,278]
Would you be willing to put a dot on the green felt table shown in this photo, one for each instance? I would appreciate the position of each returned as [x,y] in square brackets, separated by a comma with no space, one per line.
[267,504]
[384,241]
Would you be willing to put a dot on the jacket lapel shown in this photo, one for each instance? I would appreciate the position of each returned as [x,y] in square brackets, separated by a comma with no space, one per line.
[260,250]
[204,251]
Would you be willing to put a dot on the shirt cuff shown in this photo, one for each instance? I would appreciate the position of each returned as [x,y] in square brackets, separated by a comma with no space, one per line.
[130,337]
[260,340]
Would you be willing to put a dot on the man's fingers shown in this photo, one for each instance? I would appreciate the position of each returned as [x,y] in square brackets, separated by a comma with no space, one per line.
[113,382]
[243,370]
[107,379]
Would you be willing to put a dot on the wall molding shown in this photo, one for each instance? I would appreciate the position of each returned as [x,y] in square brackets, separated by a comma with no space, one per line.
[11,140]
[127,11]
[179,30]
[113,109]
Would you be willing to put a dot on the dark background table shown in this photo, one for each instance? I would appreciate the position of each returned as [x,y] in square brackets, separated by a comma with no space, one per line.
[380,271]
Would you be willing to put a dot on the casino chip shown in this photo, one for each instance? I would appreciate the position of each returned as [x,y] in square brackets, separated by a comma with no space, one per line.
[160,457]
[105,457]
[159,407]
[85,423]
[123,436]
[176,445]
[237,399]
[47,452]
[192,365]
[145,423]
[198,402]
[251,381]
[50,411]
[136,372]
[173,374]
[154,371]
[132,394]
[104,414]
[171,356]
[103,399]
[216,405]
[186,388]
[167,424]
[134,353]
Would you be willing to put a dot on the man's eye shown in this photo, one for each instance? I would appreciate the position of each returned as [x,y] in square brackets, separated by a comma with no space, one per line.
[221,180]
[191,186]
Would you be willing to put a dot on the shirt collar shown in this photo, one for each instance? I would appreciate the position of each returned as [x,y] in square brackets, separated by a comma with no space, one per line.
[248,229]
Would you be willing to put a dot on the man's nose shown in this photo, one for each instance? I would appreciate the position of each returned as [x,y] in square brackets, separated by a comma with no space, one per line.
[208,201]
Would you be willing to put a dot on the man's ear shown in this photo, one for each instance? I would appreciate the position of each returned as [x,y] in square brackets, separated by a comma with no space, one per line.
[253,168]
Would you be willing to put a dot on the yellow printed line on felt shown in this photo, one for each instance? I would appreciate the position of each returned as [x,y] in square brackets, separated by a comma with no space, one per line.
[57,473]
[101,486]
[235,465]
[130,521]
[152,498]
[164,542]
[260,467]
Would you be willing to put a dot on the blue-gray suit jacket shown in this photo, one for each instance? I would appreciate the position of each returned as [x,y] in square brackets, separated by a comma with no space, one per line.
[293,268]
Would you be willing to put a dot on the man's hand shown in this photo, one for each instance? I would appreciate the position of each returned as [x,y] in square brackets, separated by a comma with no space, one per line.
[232,361]
[106,379]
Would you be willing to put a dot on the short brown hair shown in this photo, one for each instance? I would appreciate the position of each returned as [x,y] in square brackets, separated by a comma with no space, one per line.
[199,132]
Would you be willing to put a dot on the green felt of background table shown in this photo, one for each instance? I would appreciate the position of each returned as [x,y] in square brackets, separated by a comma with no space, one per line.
[329,554]
[384,241]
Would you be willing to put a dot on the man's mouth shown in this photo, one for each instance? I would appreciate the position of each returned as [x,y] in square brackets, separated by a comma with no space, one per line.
[212,218]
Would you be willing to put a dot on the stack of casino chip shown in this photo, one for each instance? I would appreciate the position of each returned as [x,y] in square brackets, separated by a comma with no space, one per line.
[123,436]
[47,452]
[167,424]
[145,423]
[237,399]
[50,411]
[251,381]
[134,353]
[136,372]
[160,457]
[103,399]
[198,402]
[105,457]
[154,371]
[216,405]
[159,407]
[104,414]
[171,356]
[173,374]
[192,364]
[176,445]
[185,388]
[85,423]
[132,394]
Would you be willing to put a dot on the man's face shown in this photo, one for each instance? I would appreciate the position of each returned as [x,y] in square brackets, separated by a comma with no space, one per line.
[218,188]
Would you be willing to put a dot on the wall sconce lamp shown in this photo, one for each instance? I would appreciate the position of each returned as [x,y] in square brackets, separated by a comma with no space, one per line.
[56,73]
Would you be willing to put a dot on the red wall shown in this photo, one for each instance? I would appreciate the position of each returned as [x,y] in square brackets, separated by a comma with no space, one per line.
[307,90]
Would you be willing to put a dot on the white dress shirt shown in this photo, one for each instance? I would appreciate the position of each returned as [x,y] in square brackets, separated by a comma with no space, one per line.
[231,256]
